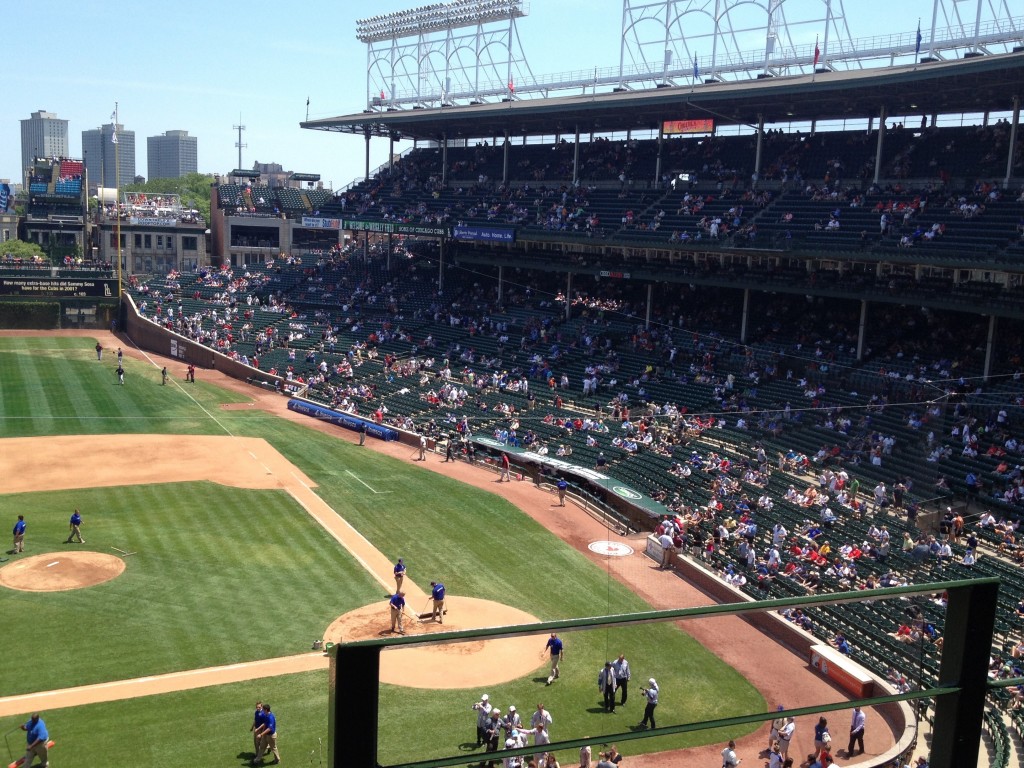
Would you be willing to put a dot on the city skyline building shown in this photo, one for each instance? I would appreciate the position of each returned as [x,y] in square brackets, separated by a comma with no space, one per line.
[43,134]
[102,158]
[171,155]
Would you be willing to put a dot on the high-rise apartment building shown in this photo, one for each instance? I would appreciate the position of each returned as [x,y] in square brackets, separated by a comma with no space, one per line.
[172,155]
[103,158]
[43,135]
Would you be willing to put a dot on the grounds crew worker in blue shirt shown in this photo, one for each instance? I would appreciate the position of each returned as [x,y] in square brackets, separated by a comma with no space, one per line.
[257,724]
[437,595]
[75,526]
[37,738]
[397,603]
[399,574]
[268,737]
[19,535]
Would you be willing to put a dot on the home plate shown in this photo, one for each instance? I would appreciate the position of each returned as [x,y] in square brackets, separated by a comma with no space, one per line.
[610,548]
[55,562]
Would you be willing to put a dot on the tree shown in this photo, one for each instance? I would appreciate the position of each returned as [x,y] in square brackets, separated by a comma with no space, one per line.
[193,189]
[19,249]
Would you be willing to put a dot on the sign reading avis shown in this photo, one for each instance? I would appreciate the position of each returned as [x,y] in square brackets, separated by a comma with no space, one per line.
[598,478]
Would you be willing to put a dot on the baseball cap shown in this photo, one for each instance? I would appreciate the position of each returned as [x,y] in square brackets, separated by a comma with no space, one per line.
[484,697]
[512,708]
[496,711]
[510,743]
[652,681]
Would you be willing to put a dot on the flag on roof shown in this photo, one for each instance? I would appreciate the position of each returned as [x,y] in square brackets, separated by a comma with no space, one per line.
[917,47]
[511,86]
[817,53]
[696,69]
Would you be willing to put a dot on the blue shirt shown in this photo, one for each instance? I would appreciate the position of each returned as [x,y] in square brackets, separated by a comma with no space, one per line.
[258,719]
[76,519]
[397,601]
[36,732]
[438,591]
[562,485]
[555,644]
[270,721]
[399,568]
[19,527]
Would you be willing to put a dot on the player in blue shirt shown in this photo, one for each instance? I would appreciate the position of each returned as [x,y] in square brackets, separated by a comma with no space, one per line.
[554,646]
[75,526]
[397,604]
[437,595]
[37,741]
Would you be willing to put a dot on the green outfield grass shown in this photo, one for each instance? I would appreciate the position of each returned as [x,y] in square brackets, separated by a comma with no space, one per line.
[224,575]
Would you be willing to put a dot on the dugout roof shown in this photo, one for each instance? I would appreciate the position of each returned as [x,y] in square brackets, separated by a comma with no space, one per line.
[979,84]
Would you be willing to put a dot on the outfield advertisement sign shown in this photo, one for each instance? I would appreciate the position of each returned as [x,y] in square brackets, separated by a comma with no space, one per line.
[341,419]
[396,228]
[612,484]
[60,287]
[486,234]
[153,221]
[317,222]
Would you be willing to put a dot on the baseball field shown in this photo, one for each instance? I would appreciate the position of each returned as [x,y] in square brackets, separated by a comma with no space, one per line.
[220,535]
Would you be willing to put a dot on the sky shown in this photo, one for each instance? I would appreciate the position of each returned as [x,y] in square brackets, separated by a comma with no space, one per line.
[207,66]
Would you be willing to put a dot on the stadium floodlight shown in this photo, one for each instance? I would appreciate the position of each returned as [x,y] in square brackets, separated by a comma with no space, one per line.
[446,16]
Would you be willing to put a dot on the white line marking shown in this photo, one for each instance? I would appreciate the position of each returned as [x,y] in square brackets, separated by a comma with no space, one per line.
[55,562]
[356,478]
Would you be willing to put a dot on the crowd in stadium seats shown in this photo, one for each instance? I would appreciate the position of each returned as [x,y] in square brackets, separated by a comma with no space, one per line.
[785,463]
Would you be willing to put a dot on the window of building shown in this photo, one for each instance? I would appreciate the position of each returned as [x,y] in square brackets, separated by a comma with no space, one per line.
[138,241]
[159,241]
[148,239]
[7,235]
[170,243]
[190,243]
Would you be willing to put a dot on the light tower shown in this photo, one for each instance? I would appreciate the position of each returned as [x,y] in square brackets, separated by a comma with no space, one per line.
[239,143]
[437,54]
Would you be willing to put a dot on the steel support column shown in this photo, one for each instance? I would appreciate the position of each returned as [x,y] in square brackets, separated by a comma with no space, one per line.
[353,669]
[504,159]
[568,296]
[757,152]
[501,284]
[444,161]
[440,269]
[1013,141]
[970,621]
[990,343]
[576,158]
[862,329]
[881,142]
[366,171]
[650,301]
[746,314]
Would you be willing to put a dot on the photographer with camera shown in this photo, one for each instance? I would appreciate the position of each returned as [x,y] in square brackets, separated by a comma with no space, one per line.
[651,694]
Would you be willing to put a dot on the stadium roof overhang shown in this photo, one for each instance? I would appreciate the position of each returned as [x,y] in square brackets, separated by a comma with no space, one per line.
[984,83]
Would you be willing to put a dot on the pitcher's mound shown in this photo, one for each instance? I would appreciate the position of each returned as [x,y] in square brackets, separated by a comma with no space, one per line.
[60,571]
[452,665]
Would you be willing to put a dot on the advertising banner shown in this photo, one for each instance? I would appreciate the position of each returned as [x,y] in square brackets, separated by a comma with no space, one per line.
[396,228]
[316,222]
[486,234]
[324,413]
[675,127]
